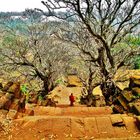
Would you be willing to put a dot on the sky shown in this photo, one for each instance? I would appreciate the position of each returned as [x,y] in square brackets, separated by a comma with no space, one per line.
[19,5]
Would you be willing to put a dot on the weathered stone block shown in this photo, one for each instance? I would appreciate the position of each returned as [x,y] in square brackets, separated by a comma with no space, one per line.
[12,114]
[127,95]
[136,108]
[122,102]
[117,120]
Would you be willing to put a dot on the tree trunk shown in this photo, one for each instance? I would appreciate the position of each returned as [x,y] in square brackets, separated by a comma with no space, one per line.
[109,90]
[47,86]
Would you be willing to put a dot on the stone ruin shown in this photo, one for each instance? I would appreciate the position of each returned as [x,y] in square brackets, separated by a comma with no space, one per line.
[129,99]
[12,101]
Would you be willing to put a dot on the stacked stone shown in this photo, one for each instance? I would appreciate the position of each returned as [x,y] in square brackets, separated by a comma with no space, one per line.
[129,99]
[12,100]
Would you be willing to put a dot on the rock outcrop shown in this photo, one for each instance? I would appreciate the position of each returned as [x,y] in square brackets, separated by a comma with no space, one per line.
[12,100]
[129,99]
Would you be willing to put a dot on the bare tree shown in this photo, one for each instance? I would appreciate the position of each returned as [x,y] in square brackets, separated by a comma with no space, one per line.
[37,53]
[103,25]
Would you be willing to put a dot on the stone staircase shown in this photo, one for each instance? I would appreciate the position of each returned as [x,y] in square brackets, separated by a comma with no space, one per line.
[74,123]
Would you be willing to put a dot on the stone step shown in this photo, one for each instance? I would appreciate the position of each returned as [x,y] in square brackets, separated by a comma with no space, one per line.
[73,128]
[72,111]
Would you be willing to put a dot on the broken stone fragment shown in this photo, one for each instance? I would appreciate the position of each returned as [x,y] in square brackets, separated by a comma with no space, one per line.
[12,114]
[117,120]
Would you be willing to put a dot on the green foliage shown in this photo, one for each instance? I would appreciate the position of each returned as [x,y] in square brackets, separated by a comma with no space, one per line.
[59,81]
[137,63]
[23,88]
[9,40]
[40,98]
[25,91]
[133,40]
